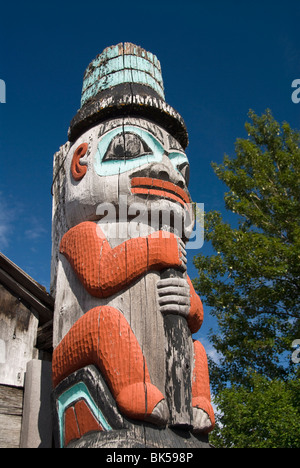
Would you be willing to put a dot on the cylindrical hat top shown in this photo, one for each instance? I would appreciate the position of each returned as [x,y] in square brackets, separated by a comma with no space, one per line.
[122,63]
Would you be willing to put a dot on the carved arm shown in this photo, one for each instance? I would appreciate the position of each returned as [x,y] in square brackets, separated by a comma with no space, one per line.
[103,271]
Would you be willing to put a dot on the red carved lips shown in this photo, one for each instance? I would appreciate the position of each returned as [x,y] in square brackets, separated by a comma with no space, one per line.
[158,187]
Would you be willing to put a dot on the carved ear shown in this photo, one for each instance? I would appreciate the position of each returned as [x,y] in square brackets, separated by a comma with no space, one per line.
[78,170]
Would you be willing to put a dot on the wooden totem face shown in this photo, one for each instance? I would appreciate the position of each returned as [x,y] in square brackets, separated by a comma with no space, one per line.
[130,162]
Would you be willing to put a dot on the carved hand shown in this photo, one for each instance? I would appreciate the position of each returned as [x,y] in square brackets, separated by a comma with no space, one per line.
[174,296]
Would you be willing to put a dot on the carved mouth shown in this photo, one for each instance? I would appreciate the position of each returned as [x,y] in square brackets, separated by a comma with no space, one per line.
[159,188]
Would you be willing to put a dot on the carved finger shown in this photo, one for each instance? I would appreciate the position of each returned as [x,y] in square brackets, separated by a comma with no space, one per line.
[184,259]
[175,309]
[165,282]
[181,247]
[174,290]
[182,243]
[183,252]
[174,299]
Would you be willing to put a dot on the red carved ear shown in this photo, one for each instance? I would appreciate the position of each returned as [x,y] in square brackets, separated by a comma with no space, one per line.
[77,169]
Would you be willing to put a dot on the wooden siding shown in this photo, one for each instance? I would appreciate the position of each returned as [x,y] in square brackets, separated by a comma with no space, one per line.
[11,409]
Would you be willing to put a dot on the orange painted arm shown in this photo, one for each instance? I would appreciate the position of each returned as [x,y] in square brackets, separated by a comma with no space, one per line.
[195,317]
[103,271]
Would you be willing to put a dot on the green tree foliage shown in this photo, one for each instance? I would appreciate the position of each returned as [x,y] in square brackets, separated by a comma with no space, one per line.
[265,414]
[252,281]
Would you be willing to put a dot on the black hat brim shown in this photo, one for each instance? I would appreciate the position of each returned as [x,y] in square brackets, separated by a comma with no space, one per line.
[129,99]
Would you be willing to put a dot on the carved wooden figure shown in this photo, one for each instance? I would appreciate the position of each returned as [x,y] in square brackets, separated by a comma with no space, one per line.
[126,371]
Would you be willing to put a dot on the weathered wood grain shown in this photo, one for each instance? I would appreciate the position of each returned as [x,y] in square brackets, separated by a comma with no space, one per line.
[44,340]
[143,436]
[179,363]
[18,328]
[11,407]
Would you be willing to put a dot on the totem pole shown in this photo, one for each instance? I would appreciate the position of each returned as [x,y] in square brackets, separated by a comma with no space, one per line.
[126,371]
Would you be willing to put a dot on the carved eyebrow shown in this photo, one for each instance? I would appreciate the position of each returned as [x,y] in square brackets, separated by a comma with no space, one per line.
[147,125]
[152,128]
[106,127]
[174,144]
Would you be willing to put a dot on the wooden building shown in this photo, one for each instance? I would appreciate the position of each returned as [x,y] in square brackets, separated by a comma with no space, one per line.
[26,313]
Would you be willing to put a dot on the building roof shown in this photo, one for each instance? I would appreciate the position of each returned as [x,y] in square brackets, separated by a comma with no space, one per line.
[27,289]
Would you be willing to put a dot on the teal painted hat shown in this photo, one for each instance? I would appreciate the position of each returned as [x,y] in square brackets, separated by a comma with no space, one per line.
[125,80]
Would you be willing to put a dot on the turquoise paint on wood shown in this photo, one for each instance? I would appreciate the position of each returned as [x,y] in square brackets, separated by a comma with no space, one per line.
[122,76]
[106,168]
[75,393]
[111,69]
[120,63]
[113,167]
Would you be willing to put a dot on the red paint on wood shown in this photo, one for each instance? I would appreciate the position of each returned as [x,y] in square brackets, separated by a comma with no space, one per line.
[195,317]
[78,170]
[104,271]
[103,337]
[71,426]
[200,383]
[158,193]
[163,185]
[86,420]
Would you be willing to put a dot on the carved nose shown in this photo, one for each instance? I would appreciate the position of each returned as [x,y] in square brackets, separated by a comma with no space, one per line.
[163,175]
[168,174]
[185,171]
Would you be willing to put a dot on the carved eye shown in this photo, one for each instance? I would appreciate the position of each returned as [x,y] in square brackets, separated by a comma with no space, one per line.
[126,146]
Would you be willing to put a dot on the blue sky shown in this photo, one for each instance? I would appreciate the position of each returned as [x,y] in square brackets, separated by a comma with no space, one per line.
[219,59]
